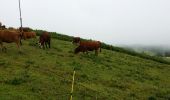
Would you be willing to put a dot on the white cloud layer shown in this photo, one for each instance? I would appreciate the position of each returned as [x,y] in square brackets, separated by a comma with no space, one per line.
[111,21]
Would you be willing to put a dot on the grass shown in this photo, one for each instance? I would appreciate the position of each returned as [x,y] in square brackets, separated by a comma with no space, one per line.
[37,74]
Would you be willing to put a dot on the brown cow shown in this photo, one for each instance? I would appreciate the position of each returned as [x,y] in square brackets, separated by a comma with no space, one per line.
[28,35]
[88,46]
[9,37]
[45,39]
[76,40]
[12,29]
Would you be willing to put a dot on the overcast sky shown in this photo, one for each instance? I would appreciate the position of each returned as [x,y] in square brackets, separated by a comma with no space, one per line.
[110,21]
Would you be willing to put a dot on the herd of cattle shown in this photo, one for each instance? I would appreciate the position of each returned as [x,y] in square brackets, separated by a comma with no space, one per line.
[12,35]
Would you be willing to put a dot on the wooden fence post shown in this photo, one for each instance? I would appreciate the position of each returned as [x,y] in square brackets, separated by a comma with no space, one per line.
[71,97]
[20,13]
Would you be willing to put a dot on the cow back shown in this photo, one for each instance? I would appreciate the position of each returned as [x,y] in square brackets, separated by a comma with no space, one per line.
[28,35]
[90,45]
[9,36]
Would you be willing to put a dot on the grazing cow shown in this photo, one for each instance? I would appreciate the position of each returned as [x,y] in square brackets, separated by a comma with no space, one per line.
[28,35]
[9,37]
[76,40]
[45,39]
[88,46]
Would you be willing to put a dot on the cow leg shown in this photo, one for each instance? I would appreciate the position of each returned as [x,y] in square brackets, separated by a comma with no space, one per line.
[18,46]
[3,47]
[49,44]
[20,42]
[43,45]
[46,44]
[84,52]
[96,52]
[20,38]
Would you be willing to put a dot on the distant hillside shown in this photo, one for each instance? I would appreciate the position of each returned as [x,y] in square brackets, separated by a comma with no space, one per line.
[162,51]
[37,74]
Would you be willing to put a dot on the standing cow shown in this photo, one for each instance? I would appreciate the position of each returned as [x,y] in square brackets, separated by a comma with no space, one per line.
[9,37]
[88,46]
[45,39]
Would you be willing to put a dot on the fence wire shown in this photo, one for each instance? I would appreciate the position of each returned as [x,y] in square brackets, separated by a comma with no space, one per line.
[80,91]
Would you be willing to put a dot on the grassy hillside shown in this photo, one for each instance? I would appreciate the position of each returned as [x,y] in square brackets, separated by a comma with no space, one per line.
[109,47]
[37,74]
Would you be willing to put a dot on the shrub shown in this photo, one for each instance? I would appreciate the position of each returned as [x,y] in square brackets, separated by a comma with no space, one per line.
[15,81]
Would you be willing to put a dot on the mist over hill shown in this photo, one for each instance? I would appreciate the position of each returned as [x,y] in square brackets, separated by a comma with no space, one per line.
[153,50]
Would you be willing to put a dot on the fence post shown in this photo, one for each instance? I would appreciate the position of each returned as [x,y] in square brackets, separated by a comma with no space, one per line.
[71,97]
[96,95]
[20,14]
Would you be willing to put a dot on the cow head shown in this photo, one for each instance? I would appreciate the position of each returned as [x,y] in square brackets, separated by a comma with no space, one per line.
[76,40]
